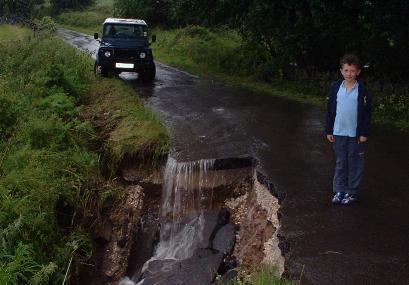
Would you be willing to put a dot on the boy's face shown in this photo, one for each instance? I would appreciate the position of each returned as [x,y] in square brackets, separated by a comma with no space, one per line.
[350,72]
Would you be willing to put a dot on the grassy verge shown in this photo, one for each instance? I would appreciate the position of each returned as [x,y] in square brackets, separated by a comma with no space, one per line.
[13,33]
[52,113]
[88,21]
[218,54]
[130,130]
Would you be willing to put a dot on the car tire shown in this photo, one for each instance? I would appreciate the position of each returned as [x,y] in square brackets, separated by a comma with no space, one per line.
[99,70]
[149,73]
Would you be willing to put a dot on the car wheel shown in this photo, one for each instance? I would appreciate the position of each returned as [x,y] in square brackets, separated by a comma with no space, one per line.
[148,74]
[99,70]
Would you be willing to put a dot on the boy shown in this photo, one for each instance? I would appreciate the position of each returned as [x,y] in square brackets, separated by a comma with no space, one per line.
[348,125]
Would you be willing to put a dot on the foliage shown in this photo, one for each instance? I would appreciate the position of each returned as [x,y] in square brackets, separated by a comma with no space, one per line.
[84,19]
[25,8]
[51,189]
[47,24]
[265,275]
[153,11]
[217,50]
[182,12]
[44,158]
[58,5]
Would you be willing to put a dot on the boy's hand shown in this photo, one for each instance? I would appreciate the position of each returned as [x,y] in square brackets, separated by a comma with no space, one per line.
[362,139]
[330,138]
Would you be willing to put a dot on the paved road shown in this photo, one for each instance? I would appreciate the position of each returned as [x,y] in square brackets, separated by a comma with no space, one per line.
[366,243]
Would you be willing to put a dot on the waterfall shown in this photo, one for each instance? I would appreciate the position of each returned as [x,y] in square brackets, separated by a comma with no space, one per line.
[183,199]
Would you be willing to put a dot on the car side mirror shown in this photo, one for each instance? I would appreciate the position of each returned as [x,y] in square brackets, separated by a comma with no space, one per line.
[96,36]
[154,38]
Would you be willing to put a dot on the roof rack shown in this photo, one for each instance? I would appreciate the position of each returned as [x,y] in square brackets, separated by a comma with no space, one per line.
[124,21]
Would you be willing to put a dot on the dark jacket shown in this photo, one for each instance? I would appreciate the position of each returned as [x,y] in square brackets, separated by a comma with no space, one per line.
[364,110]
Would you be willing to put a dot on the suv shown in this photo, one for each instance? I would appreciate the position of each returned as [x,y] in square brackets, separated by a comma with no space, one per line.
[124,46]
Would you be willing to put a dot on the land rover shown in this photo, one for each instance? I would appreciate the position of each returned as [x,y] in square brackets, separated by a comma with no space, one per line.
[124,46]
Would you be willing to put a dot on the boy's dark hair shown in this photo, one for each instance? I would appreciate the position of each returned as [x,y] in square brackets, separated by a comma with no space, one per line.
[350,59]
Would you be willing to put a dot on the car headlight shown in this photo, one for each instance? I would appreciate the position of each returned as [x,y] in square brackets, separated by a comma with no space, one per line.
[107,53]
[142,55]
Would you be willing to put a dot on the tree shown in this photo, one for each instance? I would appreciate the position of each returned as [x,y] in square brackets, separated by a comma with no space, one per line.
[155,12]
[58,5]
[24,8]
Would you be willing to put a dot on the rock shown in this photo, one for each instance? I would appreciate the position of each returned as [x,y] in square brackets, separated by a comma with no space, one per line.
[217,238]
[224,239]
[198,269]
[213,221]
[144,245]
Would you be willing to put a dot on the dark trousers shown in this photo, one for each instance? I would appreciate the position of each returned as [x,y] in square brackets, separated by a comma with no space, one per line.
[349,167]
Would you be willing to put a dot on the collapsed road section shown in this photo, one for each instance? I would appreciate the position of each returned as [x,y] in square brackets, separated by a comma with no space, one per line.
[210,218]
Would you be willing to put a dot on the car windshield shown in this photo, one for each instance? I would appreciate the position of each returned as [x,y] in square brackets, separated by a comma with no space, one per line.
[125,31]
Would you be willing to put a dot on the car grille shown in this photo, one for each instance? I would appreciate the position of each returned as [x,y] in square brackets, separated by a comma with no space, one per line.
[125,53]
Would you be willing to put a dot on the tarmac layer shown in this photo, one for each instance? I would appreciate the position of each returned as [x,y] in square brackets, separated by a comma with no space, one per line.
[364,243]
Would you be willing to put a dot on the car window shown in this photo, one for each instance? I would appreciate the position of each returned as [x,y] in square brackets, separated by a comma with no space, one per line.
[124,31]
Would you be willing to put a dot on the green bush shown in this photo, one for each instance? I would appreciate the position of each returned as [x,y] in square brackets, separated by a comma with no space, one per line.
[85,19]
[8,116]
[58,5]
[46,24]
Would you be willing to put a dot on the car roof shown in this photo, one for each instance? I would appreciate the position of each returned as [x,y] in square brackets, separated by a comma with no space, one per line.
[124,21]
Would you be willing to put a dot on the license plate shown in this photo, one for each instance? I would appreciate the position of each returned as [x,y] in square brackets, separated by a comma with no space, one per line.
[124,65]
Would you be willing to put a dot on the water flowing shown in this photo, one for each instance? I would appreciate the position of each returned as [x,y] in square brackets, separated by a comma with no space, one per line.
[184,197]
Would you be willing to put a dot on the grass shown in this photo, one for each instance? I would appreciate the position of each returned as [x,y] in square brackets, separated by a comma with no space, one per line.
[53,115]
[88,21]
[266,275]
[44,158]
[10,33]
[133,130]
[217,55]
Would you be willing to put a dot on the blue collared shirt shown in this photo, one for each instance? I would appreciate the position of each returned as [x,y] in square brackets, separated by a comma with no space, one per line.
[347,111]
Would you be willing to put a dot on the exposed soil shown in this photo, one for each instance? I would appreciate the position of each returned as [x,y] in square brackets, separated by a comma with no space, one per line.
[255,214]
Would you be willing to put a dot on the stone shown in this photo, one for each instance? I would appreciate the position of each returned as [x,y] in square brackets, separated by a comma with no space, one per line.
[198,269]
[225,239]
[213,221]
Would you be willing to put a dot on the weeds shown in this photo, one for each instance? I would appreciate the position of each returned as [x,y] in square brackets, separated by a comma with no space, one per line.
[266,275]
[10,33]
[51,189]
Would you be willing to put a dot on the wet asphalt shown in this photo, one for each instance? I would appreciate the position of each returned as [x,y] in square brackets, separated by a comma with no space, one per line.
[364,243]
